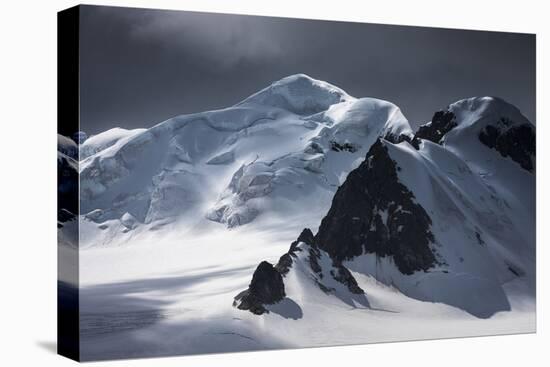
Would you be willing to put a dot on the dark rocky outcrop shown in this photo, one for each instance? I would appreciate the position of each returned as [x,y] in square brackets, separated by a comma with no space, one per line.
[398,138]
[306,236]
[442,122]
[517,142]
[343,147]
[285,261]
[343,275]
[339,272]
[372,212]
[267,285]
[266,288]
[314,257]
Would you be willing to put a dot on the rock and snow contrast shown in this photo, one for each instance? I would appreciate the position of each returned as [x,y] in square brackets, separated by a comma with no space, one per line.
[185,227]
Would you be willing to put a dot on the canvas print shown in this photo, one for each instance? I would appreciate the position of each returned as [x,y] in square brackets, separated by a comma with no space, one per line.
[232,183]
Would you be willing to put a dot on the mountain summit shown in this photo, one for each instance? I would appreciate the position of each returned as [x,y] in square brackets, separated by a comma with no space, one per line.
[299,94]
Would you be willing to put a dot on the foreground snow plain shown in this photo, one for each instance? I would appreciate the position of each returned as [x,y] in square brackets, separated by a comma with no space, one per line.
[172,295]
[171,230]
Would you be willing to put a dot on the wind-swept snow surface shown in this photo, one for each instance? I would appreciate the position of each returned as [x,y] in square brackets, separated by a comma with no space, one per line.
[188,230]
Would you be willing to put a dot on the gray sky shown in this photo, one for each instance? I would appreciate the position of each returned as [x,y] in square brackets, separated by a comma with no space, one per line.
[140,67]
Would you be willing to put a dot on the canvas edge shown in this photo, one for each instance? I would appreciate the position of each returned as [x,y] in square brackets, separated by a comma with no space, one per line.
[68,328]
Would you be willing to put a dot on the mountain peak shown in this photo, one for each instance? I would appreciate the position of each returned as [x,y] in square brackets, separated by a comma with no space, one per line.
[299,94]
[471,110]
[294,77]
[300,78]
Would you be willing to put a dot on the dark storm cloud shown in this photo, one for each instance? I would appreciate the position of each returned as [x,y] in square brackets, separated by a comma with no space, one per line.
[139,67]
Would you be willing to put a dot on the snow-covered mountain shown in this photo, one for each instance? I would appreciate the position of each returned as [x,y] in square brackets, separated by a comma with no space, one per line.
[448,216]
[284,149]
[433,229]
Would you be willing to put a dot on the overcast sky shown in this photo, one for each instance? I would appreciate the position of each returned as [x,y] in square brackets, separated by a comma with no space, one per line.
[140,67]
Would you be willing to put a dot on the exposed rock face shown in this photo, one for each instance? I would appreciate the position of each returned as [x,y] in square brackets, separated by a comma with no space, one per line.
[266,288]
[343,275]
[344,147]
[396,139]
[372,212]
[442,122]
[327,278]
[267,284]
[306,236]
[517,142]
[285,262]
